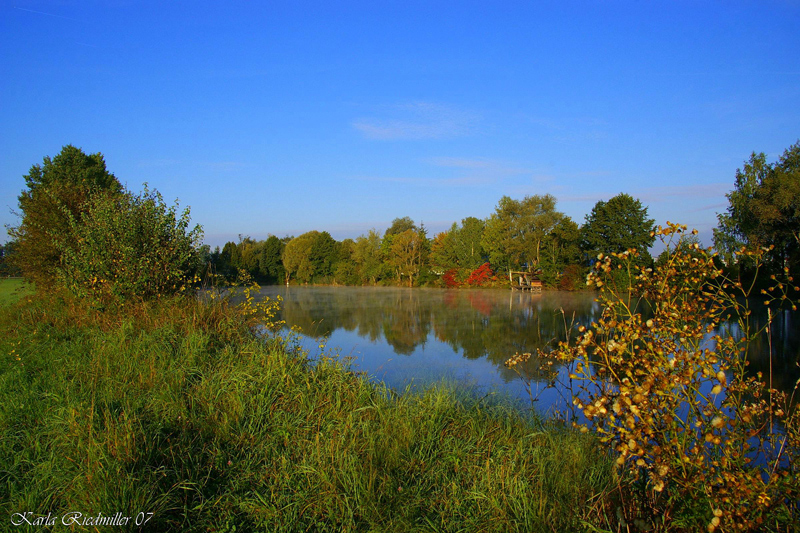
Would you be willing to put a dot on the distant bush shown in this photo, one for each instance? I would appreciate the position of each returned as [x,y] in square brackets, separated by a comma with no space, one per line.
[571,278]
[130,246]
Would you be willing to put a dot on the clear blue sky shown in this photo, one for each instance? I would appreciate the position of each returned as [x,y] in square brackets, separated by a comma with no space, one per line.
[286,116]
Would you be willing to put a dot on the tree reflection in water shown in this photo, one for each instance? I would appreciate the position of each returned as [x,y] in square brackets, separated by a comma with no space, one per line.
[402,335]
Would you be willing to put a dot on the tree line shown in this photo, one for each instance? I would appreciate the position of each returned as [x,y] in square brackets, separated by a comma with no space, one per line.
[82,229]
[529,235]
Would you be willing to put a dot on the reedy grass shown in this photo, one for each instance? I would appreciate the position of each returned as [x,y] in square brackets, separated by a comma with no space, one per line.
[174,407]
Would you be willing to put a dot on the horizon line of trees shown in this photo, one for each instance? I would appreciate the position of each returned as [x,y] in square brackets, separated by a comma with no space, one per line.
[530,235]
[79,225]
[521,235]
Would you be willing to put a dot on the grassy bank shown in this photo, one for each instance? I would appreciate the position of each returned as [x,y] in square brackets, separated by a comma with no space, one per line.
[174,408]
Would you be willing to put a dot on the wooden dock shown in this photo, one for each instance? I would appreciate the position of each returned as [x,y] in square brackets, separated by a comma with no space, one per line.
[527,281]
[537,287]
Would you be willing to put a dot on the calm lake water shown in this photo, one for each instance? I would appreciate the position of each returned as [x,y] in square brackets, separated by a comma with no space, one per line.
[420,336]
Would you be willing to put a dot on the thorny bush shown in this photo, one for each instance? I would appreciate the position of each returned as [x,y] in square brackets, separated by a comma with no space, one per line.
[662,379]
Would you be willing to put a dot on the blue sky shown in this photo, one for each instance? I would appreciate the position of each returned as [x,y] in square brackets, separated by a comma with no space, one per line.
[284,117]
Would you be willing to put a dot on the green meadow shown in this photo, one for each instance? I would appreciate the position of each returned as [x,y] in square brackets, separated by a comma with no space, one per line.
[12,289]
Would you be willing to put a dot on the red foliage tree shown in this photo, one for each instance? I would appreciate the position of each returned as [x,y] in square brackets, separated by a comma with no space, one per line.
[450,278]
[480,276]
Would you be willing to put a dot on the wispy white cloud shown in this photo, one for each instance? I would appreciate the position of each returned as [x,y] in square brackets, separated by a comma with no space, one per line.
[462,172]
[209,165]
[484,166]
[416,121]
[565,123]
[459,162]
[429,182]
[572,129]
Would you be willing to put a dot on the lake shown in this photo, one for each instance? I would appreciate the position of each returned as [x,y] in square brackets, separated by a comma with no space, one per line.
[421,336]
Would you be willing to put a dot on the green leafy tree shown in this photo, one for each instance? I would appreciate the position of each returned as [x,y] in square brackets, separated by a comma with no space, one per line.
[399,225]
[228,262]
[57,193]
[469,251]
[618,225]
[517,233]
[737,226]
[368,257]
[248,251]
[777,208]
[459,249]
[408,254]
[323,255]
[130,246]
[345,270]
[443,256]
[297,257]
[561,250]
[270,265]
[764,210]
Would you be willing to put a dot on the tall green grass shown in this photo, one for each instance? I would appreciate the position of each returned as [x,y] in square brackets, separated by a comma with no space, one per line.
[175,408]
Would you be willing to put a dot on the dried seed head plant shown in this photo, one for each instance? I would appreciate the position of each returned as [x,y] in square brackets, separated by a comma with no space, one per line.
[662,379]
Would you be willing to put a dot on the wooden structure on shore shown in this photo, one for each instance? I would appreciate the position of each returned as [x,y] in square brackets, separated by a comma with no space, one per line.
[526,281]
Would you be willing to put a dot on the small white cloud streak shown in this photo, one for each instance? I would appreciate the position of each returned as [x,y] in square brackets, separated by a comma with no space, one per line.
[212,165]
[420,120]
[485,166]
[431,182]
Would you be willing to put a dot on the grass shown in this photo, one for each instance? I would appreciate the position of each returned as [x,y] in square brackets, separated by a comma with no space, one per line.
[12,290]
[174,408]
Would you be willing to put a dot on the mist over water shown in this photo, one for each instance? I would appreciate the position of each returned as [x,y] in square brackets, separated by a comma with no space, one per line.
[417,336]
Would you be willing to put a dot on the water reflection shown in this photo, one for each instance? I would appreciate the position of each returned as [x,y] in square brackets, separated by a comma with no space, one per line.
[422,335]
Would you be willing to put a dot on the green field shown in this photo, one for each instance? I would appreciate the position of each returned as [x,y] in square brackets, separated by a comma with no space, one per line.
[12,289]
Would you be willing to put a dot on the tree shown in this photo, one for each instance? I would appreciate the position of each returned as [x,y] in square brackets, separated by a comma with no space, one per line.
[345,270]
[469,251]
[367,256]
[561,250]
[516,235]
[269,262]
[408,254]
[248,251]
[399,225]
[618,225]
[228,262]
[323,255]
[57,191]
[443,256]
[459,250]
[297,257]
[737,226]
[764,210]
